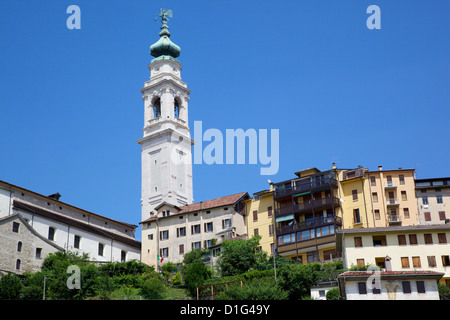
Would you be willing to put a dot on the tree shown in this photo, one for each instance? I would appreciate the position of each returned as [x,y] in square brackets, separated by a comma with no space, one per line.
[195,274]
[238,256]
[296,279]
[153,286]
[10,287]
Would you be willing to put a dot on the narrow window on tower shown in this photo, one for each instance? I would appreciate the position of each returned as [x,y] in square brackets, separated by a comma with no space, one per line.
[157,108]
[176,108]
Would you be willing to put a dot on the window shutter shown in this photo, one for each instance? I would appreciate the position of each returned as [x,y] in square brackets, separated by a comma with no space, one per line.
[269,209]
[358,242]
[406,286]
[416,262]
[442,238]
[431,261]
[255,215]
[362,288]
[420,286]
[412,239]
[401,240]
[405,262]
[427,216]
[442,215]
[428,238]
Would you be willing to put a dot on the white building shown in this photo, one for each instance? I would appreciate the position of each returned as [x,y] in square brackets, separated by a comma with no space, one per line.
[174,231]
[68,227]
[410,248]
[393,285]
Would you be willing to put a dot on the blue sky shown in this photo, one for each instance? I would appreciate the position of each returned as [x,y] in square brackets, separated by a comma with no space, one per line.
[71,108]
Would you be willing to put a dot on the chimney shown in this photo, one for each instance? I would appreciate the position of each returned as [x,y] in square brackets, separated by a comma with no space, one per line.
[55,196]
[334,165]
[201,205]
[387,264]
[380,168]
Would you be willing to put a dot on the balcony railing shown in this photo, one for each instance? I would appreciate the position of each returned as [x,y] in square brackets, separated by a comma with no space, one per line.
[392,202]
[309,205]
[310,224]
[390,185]
[394,219]
[303,186]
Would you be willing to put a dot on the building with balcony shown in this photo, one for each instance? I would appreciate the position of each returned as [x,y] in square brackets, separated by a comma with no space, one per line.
[410,248]
[259,219]
[172,231]
[377,198]
[307,214]
[433,200]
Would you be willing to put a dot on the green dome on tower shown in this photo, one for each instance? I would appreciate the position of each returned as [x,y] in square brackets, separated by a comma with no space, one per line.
[164,46]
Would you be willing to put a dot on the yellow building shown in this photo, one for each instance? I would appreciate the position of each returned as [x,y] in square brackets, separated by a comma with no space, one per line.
[378,198]
[259,219]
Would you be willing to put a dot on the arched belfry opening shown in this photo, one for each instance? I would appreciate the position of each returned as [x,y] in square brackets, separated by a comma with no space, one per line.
[177,106]
[156,108]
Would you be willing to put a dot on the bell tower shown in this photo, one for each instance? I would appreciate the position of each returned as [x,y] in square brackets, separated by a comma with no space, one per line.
[166,142]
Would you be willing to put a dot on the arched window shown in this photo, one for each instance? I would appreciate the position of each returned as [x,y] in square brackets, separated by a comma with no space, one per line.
[18,264]
[19,246]
[176,108]
[51,233]
[157,108]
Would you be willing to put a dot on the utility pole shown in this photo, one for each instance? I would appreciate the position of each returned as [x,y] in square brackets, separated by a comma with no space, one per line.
[43,295]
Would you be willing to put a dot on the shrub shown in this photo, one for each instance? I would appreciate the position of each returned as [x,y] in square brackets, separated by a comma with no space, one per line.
[195,274]
[256,289]
[153,287]
[10,286]
[333,294]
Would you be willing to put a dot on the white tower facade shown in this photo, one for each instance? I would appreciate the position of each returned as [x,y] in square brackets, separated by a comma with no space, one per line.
[166,143]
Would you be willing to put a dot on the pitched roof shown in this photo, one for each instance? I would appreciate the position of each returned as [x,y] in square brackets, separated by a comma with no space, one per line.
[362,274]
[208,204]
[75,223]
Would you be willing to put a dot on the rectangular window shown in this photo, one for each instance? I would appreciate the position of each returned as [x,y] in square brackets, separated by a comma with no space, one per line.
[377,214]
[428,238]
[15,227]
[100,249]
[412,239]
[76,242]
[420,286]
[360,262]
[442,238]
[181,232]
[255,215]
[401,240]
[256,231]
[164,235]
[379,241]
[406,213]
[416,262]
[373,181]
[271,229]
[425,200]
[427,216]
[389,181]
[164,252]
[442,215]
[123,256]
[406,286]
[269,210]
[195,229]
[374,197]
[226,223]
[405,262]
[431,261]
[356,216]
[358,241]
[51,233]
[445,261]
[196,245]
[355,195]
[181,248]
[404,198]
[362,288]
[439,199]
[208,227]
[38,253]
[401,178]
